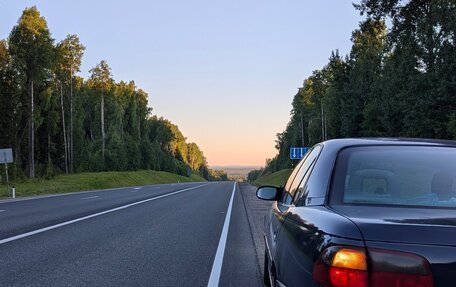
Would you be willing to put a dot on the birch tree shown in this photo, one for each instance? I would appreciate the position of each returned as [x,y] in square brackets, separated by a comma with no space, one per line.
[101,78]
[70,55]
[32,50]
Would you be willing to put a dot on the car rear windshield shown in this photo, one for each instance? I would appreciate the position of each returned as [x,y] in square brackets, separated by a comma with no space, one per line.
[396,175]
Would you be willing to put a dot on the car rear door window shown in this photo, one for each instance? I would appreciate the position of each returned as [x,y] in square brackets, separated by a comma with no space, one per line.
[289,193]
[293,175]
[303,188]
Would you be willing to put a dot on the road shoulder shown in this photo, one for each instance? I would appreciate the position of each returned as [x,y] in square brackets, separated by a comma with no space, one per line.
[256,210]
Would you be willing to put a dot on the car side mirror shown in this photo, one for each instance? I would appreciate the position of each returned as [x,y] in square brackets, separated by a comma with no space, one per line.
[268,192]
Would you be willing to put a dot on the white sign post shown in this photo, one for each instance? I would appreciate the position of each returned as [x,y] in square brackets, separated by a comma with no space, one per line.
[6,156]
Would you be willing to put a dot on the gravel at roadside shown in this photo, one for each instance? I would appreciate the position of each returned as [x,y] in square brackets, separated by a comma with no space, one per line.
[256,209]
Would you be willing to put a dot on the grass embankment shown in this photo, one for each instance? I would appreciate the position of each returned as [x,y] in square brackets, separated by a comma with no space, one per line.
[95,180]
[275,179]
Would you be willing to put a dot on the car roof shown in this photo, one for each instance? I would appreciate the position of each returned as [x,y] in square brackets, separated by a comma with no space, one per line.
[348,142]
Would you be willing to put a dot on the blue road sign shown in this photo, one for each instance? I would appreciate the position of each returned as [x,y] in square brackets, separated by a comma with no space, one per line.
[298,152]
[6,155]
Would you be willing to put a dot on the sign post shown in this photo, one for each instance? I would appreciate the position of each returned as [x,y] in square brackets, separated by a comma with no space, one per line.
[298,152]
[6,172]
[6,156]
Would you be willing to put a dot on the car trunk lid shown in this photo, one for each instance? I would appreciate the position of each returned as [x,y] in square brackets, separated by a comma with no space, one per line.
[428,232]
[432,226]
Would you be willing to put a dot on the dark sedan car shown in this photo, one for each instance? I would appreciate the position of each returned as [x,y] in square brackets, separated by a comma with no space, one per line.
[365,213]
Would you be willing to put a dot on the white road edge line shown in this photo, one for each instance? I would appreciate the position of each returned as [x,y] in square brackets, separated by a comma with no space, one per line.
[214,278]
[91,197]
[41,230]
[2,210]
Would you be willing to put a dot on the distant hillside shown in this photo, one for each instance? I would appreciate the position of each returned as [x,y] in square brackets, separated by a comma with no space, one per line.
[236,171]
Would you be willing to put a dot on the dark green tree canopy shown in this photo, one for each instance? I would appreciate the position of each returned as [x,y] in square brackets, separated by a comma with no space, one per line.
[31,45]
[69,52]
[397,81]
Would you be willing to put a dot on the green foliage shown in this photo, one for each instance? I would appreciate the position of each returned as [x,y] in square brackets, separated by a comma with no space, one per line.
[217,175]
[68,112]
[195,157]
[275,179]
[32,52]
[31,45]
[69,53]
[254,174]
[101,76]
[396,81]
[10,99]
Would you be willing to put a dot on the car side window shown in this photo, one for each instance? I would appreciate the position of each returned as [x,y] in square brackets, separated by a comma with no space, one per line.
[293,175]
[303,189]
[289,193]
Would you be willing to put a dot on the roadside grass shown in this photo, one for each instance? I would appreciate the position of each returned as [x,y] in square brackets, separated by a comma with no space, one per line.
[275,179]
[94,180]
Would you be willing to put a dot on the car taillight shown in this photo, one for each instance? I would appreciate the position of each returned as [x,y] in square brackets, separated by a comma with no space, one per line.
[341,267]
[399,269]
[348,267]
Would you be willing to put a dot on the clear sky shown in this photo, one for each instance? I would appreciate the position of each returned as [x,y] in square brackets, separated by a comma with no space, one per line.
[224,71]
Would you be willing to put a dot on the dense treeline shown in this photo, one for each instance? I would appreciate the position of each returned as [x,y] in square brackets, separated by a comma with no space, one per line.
[398,80]
[214,174]
[255,174]
[57,122]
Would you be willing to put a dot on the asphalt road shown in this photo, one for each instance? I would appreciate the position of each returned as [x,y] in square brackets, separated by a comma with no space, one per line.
[189,234]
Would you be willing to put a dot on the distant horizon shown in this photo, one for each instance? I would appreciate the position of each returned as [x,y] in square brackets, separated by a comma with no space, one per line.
[236,166]
[236,170]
